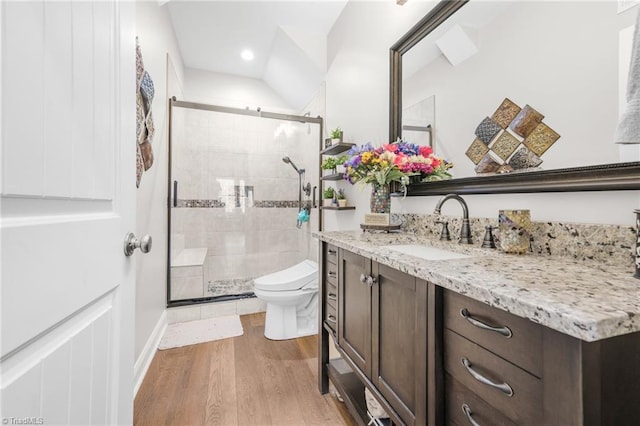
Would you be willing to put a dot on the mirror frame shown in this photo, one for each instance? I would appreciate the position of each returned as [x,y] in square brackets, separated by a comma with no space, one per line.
[605,177]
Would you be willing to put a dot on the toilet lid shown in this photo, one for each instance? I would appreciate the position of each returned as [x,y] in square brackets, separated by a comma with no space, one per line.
[292,278]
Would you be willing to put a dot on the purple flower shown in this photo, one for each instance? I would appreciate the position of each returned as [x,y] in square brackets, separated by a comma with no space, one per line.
[409,148]
[355,150]
[354,161]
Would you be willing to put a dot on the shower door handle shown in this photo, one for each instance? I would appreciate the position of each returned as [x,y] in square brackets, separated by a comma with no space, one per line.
[175,193]
[314,197]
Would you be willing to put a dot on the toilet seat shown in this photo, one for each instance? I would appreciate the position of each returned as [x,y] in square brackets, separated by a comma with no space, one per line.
[303,275]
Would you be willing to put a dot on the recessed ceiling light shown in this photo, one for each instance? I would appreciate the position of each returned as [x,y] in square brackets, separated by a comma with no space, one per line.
[247,55]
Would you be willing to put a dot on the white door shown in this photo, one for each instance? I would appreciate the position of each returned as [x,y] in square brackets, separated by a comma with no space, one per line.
[68,198]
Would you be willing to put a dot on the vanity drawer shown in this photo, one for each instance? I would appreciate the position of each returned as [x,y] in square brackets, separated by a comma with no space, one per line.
[514,392]
[331,295]
[331,254]
[462,407]
[332,274]
[513,338]
[331,317]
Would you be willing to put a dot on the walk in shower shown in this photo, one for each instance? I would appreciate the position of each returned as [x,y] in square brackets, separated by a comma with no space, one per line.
[233,203]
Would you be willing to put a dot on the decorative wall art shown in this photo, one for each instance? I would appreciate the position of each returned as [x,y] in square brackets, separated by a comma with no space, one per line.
[512,139]
[144,118]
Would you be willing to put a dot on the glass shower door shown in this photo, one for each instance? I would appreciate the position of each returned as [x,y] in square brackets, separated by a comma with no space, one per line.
[235,213]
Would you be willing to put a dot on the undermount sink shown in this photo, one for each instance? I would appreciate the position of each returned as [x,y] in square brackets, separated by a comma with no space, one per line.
[426,252]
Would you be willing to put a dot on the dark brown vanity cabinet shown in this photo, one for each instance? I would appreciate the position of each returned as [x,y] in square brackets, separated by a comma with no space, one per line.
[383,331]
[495,356]
[433,356]
[501,369]
[354,311]
[399,342]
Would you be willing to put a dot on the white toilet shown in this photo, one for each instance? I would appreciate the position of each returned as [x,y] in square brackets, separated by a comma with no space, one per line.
[292,301]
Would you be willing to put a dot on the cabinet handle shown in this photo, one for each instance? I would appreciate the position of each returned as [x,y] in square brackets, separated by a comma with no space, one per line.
[504,387]
[331,318]
[332,296]
[504,330]
[332,252]
[332,273]
[367,279]
[467,412]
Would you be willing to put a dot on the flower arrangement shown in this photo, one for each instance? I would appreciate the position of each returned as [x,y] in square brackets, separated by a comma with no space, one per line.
[394,162]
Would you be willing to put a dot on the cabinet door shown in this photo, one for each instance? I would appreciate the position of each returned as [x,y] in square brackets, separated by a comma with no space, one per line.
[354,322]
[399,342]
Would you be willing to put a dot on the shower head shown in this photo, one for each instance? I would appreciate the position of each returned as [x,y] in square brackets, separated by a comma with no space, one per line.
[288,161]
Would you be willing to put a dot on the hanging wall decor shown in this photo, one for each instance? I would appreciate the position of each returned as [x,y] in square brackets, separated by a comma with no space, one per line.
[144,118]
[512,139]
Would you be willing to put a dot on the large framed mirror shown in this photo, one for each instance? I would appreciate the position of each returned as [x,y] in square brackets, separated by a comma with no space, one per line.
[569,66]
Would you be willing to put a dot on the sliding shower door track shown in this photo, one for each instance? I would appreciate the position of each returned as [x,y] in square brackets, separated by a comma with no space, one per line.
[224,298]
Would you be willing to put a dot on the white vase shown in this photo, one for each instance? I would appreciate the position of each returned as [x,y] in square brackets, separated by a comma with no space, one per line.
[327,202]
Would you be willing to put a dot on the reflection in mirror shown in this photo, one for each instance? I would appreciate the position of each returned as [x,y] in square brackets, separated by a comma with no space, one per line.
[534,53]
[418,120]
[566,60]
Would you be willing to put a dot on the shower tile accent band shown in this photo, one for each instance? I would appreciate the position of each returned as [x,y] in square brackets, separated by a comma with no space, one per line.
[210,204]
[216,204]
[276,204]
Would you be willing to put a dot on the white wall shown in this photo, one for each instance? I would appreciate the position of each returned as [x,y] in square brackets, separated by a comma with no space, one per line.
[232,91]
[357,86]
[357,83]
[157,39]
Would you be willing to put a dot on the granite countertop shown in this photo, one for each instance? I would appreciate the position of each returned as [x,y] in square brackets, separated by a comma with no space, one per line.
[589,301]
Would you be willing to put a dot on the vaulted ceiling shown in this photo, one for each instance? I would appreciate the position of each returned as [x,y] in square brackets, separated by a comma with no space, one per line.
[288,39]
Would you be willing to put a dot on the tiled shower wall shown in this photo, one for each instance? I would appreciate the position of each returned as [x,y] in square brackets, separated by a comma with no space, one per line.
[237,198]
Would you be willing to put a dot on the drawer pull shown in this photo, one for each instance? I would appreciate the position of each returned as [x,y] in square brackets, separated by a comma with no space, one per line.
[504,387]
[332,252]
[467,412]
[332,273]
[331,318]
[504,330]
[332,296]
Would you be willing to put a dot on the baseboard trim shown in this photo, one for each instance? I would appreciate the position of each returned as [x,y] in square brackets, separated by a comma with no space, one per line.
[146,356]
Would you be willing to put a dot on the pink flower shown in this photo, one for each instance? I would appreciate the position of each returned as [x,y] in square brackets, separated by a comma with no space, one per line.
[390,147]
[400,159]
[426,151]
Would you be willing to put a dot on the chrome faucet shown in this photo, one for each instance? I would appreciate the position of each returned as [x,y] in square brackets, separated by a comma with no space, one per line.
[465,231]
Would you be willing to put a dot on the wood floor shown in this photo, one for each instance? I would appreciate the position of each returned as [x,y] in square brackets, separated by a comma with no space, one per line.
[245,380]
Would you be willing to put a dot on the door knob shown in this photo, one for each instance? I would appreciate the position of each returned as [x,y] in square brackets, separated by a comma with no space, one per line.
[131,243]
